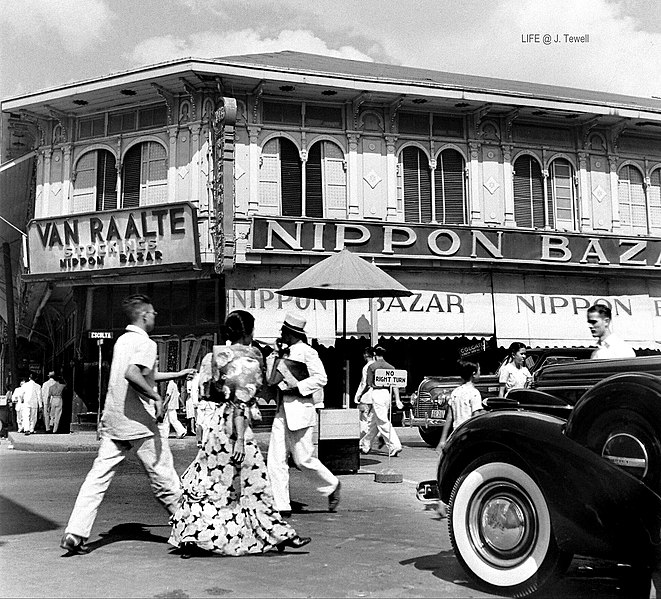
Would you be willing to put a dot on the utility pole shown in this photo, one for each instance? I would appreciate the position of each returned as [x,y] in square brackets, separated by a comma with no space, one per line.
[11,322]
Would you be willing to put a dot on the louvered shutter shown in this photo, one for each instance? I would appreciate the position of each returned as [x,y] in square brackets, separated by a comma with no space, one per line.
[84,187]
[154,174]
[291,179]
[335,179]
[106,181]
[411,187]
[417,186]
[561,198]
[313,184]
[654,201]
[131,178]
[269,175]
[633,214]
[450,188]
[537,194]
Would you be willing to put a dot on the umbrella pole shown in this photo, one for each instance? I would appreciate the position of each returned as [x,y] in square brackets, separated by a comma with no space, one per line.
[345,397]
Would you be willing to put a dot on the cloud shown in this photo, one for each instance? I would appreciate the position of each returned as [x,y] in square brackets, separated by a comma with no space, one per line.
[247,41]
[76,23]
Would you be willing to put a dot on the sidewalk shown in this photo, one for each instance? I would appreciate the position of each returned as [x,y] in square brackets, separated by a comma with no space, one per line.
[87,441]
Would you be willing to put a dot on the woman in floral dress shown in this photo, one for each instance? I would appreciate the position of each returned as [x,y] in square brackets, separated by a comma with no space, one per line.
[227,504]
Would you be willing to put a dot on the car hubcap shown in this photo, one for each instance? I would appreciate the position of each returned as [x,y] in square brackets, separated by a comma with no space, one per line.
[502,524]
[627,452]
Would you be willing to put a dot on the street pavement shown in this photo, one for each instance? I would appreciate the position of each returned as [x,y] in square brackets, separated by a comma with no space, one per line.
[382,542]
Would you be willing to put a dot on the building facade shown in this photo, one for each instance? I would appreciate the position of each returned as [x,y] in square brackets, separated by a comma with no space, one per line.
[506,208]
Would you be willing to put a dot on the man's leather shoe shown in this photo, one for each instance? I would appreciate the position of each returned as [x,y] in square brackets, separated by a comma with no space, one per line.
[285,513]
[395,452]
[295,543]
[74,544]
[334,498]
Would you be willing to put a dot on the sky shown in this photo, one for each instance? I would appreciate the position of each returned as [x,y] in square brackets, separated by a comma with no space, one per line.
[47,43]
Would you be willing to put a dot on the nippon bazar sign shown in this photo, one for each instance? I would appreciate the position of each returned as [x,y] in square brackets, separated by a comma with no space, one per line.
[113,240]
[475,244]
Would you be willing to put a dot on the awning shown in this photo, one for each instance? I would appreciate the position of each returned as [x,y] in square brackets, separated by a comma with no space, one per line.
[551,311]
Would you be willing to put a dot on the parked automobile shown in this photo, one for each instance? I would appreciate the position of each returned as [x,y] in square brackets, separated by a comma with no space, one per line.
[429,404]
[527,490]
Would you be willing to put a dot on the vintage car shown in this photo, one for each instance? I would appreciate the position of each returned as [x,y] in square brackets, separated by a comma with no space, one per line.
[429,403]
[527,490]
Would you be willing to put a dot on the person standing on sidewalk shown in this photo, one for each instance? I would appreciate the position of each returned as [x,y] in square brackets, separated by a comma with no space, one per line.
[31,404]
[133,409]
[45,400]
[17,398]
[170,406]
[381,400]
[55,402]
[295,419]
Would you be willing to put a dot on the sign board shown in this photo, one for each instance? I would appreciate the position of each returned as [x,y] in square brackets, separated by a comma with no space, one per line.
[99,334]
[384,377]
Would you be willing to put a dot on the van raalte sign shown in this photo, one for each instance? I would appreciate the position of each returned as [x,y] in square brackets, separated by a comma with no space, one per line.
[276,235]
[116,239]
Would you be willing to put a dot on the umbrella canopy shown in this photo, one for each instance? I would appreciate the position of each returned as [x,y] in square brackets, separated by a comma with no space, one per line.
[344,276]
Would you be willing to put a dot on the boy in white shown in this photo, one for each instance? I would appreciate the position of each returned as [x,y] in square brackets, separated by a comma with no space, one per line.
[465,400]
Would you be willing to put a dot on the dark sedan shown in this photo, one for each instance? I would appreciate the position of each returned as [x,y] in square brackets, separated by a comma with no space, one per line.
[527,490]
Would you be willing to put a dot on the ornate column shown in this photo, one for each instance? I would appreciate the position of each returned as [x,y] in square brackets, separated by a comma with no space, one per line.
[474,180]
[67,186]
[45,200]
[304,160]
[545,195]
[432,168]
[172,164]
[253,169]
[615,200]
[585,223]
[354,195]
[391,169]
[195,161]
[508,192]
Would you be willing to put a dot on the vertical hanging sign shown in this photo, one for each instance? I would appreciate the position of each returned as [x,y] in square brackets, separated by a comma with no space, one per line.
[222,133]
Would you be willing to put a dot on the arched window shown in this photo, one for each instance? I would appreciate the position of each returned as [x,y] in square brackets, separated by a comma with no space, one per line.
[280,178]
[144,175]
[528,193]
[416,184]
[95,186]
[450,189]
[325,182]
[560,193]
[631,194]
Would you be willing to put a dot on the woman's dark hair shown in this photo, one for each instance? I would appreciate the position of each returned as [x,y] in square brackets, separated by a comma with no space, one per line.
[512,349]
[467,369]
[237,324]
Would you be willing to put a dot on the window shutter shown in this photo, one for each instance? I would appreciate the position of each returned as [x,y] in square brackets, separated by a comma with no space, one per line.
[633,215]
[291,179]
[654,200]
[561,195]
[417,186]
[84,187]
[450,188]
[335,178]
[106,181]
[528,193]
[269,175]
[154,174]
[313,185]
[131,178]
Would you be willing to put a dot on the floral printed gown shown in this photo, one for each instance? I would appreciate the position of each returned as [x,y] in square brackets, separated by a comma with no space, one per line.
[228,508]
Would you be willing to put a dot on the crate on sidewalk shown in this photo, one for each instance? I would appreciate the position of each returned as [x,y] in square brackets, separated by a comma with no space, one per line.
[339,436]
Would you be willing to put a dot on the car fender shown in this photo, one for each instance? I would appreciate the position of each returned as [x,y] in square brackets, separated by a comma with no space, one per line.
[596,508]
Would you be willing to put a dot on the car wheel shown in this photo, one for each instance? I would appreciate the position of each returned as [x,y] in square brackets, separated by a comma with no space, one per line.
[431,436]
[500,528]
[627,439]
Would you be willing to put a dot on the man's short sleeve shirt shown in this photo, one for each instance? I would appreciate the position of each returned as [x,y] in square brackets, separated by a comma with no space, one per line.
[465,401]
[127,415]
[613,347]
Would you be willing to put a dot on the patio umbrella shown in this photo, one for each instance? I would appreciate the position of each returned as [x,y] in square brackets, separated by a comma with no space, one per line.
[345,276]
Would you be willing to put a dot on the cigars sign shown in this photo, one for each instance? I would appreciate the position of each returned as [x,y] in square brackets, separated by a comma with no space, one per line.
[276,235]
[115,240]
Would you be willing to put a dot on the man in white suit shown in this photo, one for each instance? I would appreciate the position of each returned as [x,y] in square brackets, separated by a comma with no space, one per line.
[31,404]
[45,400]
[295,420]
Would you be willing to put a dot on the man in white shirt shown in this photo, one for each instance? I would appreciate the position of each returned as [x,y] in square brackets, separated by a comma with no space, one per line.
[609,345]
[31,404]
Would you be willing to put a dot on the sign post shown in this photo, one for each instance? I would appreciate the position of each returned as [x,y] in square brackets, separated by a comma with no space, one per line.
[100,337]
[393,379]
